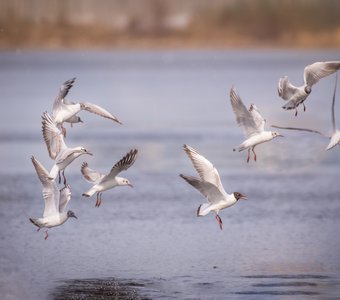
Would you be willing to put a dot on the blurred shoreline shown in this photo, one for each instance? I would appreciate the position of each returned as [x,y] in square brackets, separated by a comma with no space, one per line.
[160,24]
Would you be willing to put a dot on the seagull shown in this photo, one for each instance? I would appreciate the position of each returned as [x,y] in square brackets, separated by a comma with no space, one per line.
[311,75]
[102,182]
[335,137]
[64,109]
[252,123]
[209,184]
[55,201]
[57,148]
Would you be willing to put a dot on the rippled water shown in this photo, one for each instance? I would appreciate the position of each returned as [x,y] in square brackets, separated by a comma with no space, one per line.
[147,242]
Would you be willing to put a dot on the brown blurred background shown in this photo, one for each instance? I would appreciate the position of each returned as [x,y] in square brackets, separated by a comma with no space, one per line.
[105,24]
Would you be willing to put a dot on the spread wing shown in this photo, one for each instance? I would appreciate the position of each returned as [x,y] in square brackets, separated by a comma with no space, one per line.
[207,189]
[65,197]
[314,72]
[53,137]
[126,162]
[333,104]
[204,168]
[90,175]
[96,109]
[243,117]
[285,89]
[259,120]
[300,129]
[64,89]
[50,190]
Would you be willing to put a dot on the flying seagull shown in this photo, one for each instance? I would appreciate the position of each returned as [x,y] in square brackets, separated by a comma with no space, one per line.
[65,110]
[335,137]
[102,182]
[210,186]
[252,124]
[311,75]
[55,201]
[57,148]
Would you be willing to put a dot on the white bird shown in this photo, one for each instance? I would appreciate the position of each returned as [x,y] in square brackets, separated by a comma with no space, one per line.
[209,184]
[57,148]
[252,124]
[104,182]
[55,201]
[311,75]
[64,110]
[335,136]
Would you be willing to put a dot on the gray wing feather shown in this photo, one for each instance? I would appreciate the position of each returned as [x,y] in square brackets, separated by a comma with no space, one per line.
[96,109]
[314,72]
[243,117]
[207,189]
[299,129]
[65,197]
[64,89]
[50,190]
[285,89]
[90,175]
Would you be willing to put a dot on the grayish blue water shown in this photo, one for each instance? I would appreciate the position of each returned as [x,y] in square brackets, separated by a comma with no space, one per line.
[281,243]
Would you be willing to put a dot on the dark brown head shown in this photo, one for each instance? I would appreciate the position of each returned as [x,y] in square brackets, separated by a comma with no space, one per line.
[308,89]
[239,196]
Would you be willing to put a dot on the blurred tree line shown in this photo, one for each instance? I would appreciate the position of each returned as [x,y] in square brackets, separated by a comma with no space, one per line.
[174,23]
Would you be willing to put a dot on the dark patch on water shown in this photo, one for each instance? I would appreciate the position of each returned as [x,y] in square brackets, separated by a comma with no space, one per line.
[278,293]
[284,284]
[288,276]
[105,289]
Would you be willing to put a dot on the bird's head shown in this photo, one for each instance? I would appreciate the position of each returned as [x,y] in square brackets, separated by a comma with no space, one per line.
[123,181]
[71,214]
[85,151]
[276,134]
[239,196]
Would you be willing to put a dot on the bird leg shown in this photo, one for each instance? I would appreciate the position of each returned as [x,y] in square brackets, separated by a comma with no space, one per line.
[252,149]
[295,112]
[59,177]
[304,107]
[46,236]
[219,220]
[248,155]
[63,130]
[99,199]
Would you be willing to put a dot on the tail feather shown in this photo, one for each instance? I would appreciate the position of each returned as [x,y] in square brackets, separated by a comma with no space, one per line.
[90,192]
[34,221]
[203,209]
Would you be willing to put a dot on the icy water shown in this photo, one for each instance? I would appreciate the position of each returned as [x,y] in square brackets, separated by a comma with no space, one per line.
[146,242]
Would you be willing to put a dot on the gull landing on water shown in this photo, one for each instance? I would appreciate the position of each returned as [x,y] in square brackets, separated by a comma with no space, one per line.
[57,148]
[104,182]
[65,111]
[55,201]
[311,75]
[209,184]
[335,137]
[252,124]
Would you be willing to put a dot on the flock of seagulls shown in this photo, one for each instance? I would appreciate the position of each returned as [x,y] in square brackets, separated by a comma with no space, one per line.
[208,184]
[54,133]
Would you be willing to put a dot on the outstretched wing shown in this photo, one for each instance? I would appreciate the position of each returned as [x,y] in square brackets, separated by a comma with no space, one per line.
[300,129]
[53,137]
[207,189]
[90,175]
[204,168]
[64,89]
[258,119]
[314,72]
[50,190]
[126,162]
[243,117]
[285,89]
[96,109]
[333,104]
[65,197]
